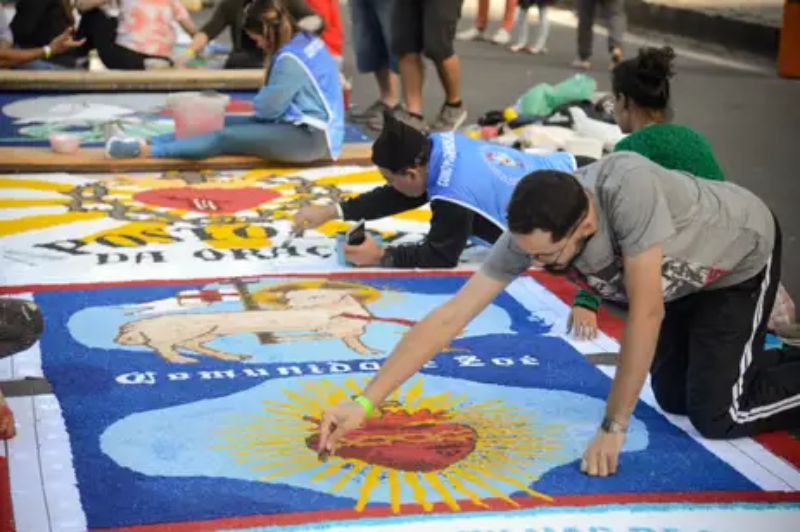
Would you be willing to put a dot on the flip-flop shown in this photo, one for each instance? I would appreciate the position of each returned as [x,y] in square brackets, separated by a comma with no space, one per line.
[517,48]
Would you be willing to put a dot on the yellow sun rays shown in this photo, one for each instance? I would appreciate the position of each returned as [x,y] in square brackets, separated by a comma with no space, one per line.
[279,443]
[147,225]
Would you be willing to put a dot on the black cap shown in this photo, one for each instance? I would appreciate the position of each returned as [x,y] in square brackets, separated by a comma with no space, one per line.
[399,145]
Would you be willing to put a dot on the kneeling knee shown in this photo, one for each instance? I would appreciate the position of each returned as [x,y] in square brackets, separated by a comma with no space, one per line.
[669,399]
[713,426]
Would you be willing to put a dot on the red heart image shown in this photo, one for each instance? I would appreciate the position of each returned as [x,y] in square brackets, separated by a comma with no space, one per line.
[422,441]
[208,200]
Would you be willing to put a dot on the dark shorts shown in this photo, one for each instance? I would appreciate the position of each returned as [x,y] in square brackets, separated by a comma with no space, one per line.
[425,26]
[372,34]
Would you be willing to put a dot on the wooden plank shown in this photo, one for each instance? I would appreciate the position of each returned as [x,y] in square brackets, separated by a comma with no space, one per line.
[31,160]
[113,80]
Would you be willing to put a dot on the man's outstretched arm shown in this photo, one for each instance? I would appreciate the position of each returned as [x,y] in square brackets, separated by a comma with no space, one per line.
[417,347]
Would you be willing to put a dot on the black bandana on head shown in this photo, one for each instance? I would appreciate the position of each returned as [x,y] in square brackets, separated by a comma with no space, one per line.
[399,145]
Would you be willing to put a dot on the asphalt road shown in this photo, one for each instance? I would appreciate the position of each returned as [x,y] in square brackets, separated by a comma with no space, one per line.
[751,116]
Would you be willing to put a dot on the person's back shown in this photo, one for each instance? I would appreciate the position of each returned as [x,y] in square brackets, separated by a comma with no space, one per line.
[675,147]
[148,26]
[714,234]
[319,101]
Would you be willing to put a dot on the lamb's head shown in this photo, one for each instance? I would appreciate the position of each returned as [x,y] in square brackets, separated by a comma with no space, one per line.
[129,334]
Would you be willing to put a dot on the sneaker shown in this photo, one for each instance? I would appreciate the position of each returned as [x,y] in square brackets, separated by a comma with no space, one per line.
[581,64]
[123,147]
[502,37]
[407,118]
[472,34]
[450,118]
[371,114]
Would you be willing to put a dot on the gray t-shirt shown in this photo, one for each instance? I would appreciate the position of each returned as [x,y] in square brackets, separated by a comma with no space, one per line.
[714,234]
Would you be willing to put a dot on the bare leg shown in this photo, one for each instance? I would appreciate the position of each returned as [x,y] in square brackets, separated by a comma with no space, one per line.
[171,354]
[387,84]
[411,74]
[198,345]
[450,75]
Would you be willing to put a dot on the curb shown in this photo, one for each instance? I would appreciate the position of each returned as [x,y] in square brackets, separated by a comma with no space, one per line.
[729,32]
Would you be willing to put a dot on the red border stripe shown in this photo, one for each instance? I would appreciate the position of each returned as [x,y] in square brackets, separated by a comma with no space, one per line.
[708,497]
[6,510]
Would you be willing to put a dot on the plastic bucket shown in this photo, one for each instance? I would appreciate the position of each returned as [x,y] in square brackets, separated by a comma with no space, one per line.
[197,113]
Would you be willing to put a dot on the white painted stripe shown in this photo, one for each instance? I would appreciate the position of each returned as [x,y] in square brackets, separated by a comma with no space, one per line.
[27,490]
[60,483]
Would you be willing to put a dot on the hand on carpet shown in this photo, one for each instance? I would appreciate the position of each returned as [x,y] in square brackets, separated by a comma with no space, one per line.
[312,216]
[602,455]
[369,253]
[7,427]
[338,421]
[582,323]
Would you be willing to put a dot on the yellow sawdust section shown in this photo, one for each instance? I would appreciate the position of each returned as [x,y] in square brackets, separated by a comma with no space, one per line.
[434,480]
[35,184]
[227,236]
[32,223]
[261,173]
[371,481]
[394,490]
[417,215]
[418,489]
[6,203]
[359,178]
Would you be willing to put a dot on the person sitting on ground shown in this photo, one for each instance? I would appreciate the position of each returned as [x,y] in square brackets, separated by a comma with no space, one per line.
[14,57]
[696,260]
[36,24]
[144,30]
[299,112]
[540,46]
[643,108]
[468,184]
[245,52]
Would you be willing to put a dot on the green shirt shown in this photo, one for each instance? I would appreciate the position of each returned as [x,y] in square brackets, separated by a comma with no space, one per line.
[675,148]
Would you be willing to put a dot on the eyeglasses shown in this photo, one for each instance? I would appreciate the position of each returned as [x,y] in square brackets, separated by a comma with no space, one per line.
[554,257]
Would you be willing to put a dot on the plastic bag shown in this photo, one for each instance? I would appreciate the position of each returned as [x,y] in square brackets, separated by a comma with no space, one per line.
[542,99]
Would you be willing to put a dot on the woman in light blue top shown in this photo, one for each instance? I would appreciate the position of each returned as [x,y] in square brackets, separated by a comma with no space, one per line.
[299,112]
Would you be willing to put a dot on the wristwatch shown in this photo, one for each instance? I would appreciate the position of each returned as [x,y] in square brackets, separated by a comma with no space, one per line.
[610,426]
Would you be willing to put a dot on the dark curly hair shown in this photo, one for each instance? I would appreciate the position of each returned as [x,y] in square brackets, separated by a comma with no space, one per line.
[645,78]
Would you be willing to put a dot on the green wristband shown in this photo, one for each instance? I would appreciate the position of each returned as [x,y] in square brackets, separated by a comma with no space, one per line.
[587,300]
[369,408]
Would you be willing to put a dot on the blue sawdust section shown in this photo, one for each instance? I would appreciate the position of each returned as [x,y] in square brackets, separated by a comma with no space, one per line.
[84,382]
[11,136]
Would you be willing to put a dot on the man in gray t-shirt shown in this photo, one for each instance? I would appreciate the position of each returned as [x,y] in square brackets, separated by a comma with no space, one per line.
[697,262]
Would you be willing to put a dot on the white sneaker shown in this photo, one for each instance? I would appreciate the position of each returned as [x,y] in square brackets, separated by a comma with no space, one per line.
[502,37]
[471,34]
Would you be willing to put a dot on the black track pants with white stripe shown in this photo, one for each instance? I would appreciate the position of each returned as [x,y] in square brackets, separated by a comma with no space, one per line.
[711,364]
